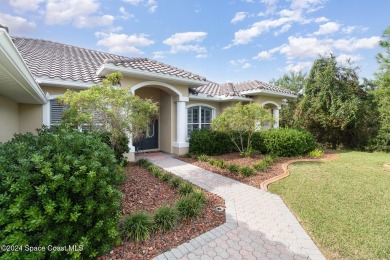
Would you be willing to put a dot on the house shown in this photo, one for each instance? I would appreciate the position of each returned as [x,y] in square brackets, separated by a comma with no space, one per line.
[33,73]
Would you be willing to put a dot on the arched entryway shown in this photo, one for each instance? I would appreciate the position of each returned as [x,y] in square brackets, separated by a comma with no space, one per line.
[273,108]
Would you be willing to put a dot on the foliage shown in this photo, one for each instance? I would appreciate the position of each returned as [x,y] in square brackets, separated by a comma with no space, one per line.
[220,164]
[109,109]
[175,182]
[120,147]
[191,205]
[265,163]
[59,188]
[295,82]
[165,218]
[144,163]
[155,170]
[186,188]
[208,142]
[316,153]
[138,226]
[335,107]
[381,141]
[288,142]
[233,168]
[165,176]
[246,171]
[203,158]
[240,123]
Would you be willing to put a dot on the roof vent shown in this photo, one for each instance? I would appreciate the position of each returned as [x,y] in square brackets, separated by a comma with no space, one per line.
[4,27]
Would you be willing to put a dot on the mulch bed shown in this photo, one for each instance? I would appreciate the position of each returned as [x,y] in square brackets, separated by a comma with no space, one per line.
[143,191]
[235,158]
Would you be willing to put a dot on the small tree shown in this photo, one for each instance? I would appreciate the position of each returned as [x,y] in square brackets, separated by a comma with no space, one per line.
[240,123]
[109,108]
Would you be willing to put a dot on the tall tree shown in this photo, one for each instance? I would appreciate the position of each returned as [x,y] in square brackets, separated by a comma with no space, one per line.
[335,106]
[382,95]
[294,81]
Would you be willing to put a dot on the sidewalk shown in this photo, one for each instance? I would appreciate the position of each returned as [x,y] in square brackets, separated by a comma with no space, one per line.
[258,224]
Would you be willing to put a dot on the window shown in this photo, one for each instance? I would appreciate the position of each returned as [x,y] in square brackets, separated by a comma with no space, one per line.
[198,117]
[56,111]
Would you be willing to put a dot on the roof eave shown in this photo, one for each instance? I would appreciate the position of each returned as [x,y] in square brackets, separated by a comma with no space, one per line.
[57,82]
[257,92]
[12,63]
[105,69]
[219,98]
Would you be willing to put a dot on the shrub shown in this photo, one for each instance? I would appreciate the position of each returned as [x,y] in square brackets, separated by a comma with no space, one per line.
[316,153]
[143,163]
[190,206]
[288,142]
[166,218]
[186,188]
[155,170]
[138,226]
[175,182]
[212,161]
[59,188]
[233,168]
[121,145]
[165,176]
[220,164]
[265,163]
[203,158]
[188,155]
[246,171]
[209,142]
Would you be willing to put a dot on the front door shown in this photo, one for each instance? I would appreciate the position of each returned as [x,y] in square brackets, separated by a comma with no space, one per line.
[150,139]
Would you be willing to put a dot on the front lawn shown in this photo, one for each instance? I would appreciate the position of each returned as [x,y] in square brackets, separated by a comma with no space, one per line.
[343,204]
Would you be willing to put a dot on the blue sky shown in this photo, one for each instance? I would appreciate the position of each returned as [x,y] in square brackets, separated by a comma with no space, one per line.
[223,40]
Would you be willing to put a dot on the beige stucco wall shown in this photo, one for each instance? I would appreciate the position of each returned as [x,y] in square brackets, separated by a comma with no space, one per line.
[165,122]
[262,99]
[30,117]
[53,90]
[9,119]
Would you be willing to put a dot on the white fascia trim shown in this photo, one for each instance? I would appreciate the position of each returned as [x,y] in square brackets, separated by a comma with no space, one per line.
[255,92]
[219,98]
[64,83]
[108,68]
[12,54]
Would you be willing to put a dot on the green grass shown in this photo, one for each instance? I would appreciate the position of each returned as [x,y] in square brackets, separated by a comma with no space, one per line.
[344,204]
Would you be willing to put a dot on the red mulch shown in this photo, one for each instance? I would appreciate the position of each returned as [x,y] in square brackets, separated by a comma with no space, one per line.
[235,158]
[143,191]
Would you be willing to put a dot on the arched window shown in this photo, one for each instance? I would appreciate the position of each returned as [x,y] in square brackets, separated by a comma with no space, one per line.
[198,117]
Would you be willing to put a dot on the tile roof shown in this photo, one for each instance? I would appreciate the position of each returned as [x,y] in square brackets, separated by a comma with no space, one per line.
[57,60]
[235,89]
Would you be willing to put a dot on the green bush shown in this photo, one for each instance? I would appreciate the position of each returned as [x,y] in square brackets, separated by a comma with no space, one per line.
[212,161]
[265,163]
[316,153]
[143,163]
[208,142]
[220,164]
[165,176]
[188,155]
[246,171]
[233,168]
[155,170]
[59,188]
[186,188]
[288,142]
[190,206]
[138,226]
[120,147]
[175,182]
[203,158]
[165,218]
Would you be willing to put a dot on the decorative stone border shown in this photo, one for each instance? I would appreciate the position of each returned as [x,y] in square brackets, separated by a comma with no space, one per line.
[286,172]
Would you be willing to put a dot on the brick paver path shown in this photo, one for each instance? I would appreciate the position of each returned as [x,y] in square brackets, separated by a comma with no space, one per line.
[258,224]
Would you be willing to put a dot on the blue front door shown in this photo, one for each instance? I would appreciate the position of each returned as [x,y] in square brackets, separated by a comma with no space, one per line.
[150,139]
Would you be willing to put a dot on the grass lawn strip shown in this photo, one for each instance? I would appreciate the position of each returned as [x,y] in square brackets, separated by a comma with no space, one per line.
[343,204]
[143,191]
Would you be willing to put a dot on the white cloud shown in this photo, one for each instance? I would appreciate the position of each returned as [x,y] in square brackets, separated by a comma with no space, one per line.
[298,67]
[284,29]
[183,42]
[133,2]
[125,15]
[248,1]
[243,63]
[352,44]
[271,7]
[201,56]
[239,17]
[310,5]
[328,28]
[263,55]
[299,47]
[152,5]
[122,43]
[93,21]
[26,5]
[66,11]
[158,55]
[247,65]
[16,25]
[321,19]
[345,58]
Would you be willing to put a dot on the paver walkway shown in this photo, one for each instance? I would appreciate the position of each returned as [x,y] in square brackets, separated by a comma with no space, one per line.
[258,224]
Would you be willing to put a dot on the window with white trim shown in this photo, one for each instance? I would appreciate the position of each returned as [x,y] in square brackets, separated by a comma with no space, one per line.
[198,117]
[56,111]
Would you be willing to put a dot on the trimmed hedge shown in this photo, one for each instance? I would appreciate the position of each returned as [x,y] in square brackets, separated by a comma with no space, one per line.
[280,142]
[59,189]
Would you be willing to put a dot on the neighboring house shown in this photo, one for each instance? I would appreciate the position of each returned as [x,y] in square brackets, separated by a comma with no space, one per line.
[34,72]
